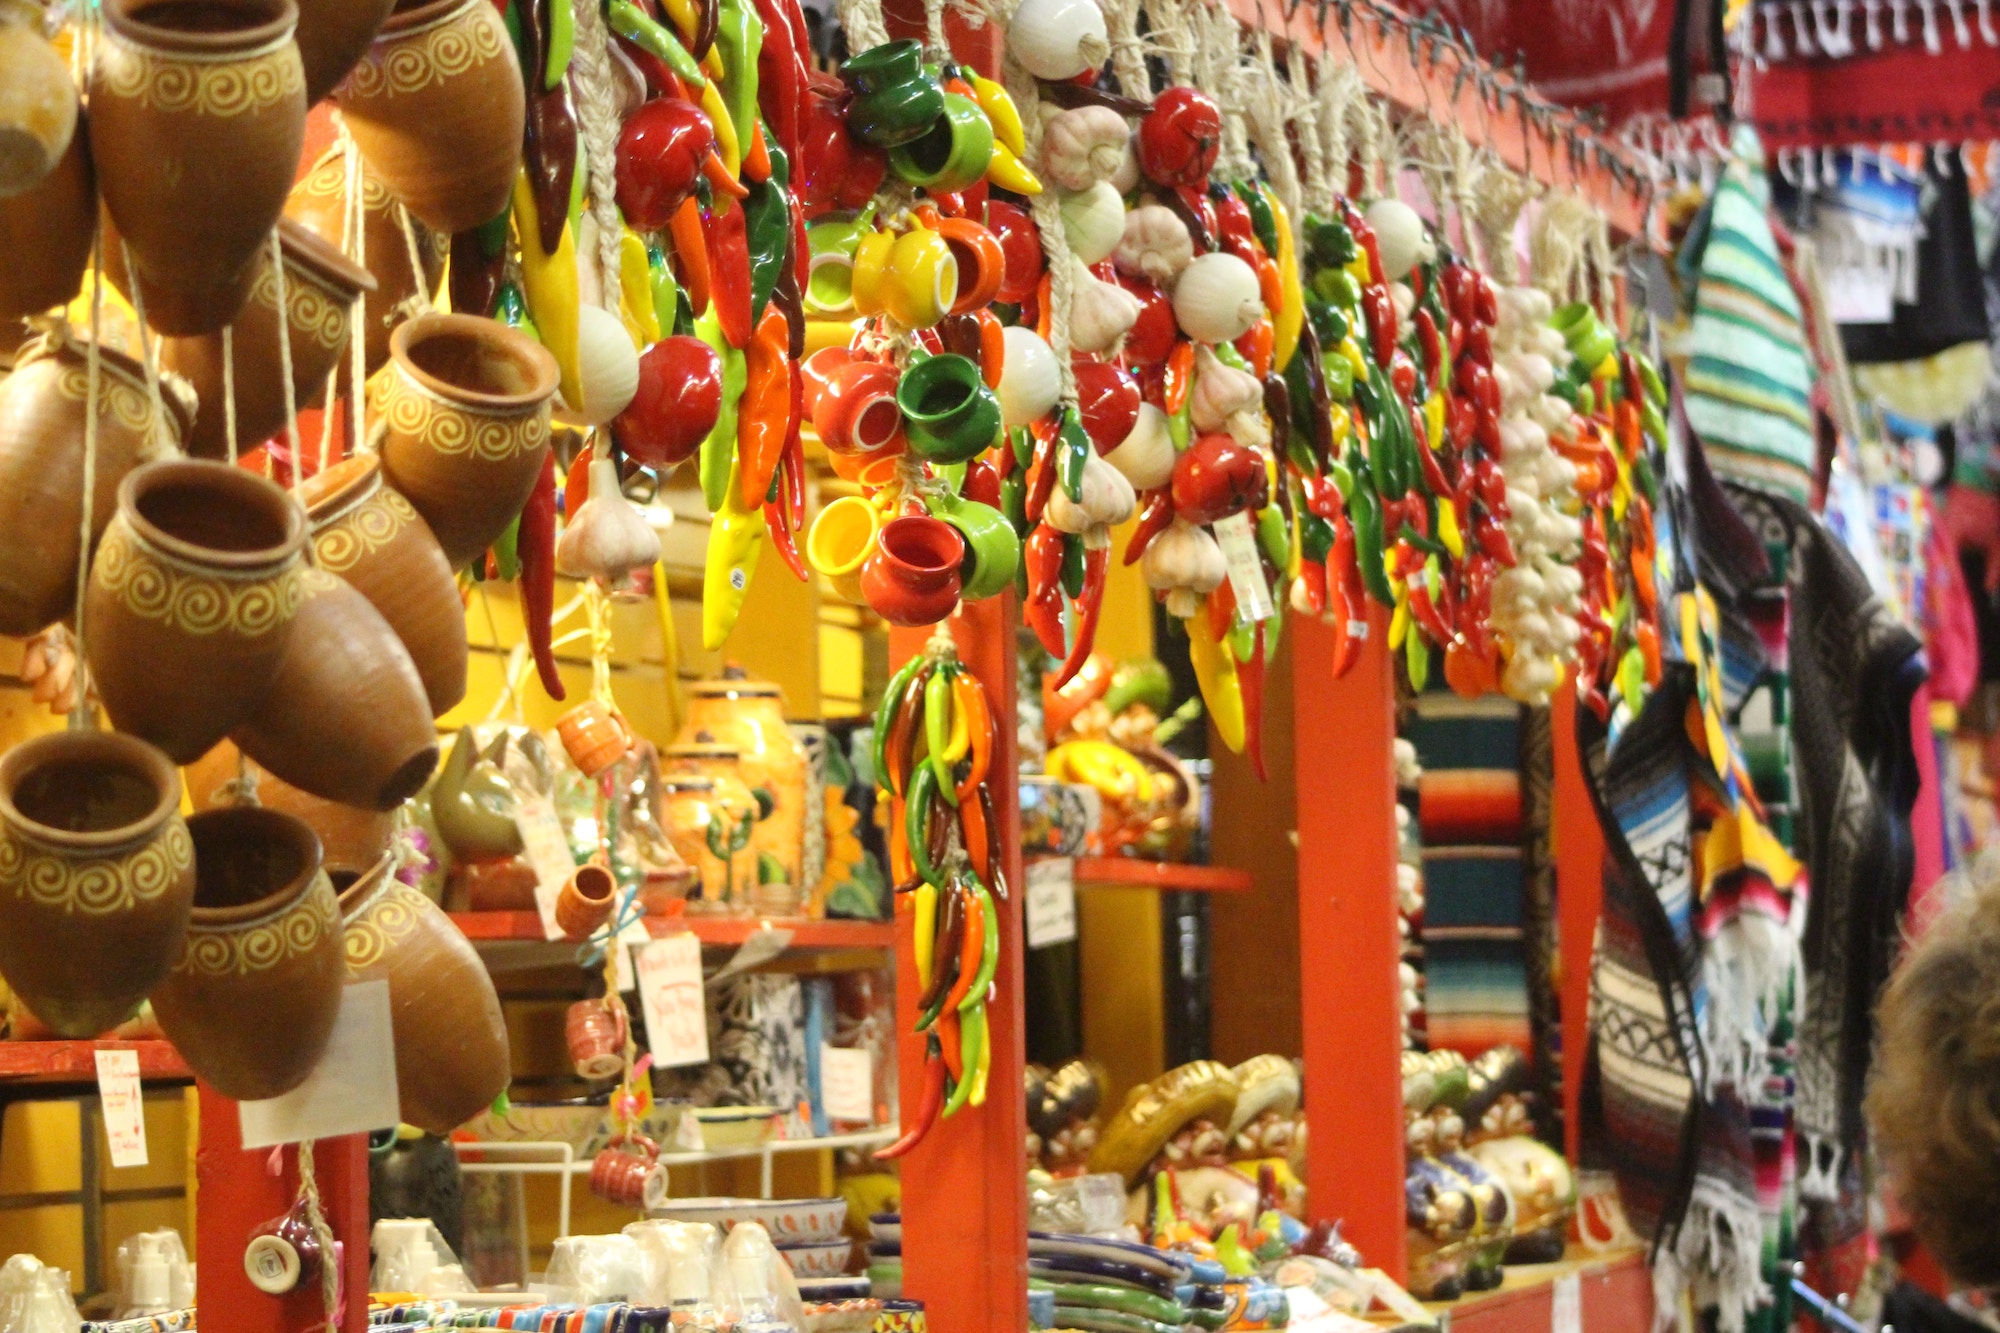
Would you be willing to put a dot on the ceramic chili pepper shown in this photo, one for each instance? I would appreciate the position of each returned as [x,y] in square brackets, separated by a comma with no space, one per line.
[728,246]
[781,76]
[735,541]
[767,212]
[1089,603]
[1042,559]
[549,155]
[1156,515]
[1234,230]
[1345,596]
[765,410]
[537,548]
[928,1105]
[479,267]
[631,22]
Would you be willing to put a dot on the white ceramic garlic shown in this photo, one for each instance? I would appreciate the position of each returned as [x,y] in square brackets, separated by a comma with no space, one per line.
[1030,378]
[1093,221]
[1186,564]
[1084,145]
[607,365]
[1217,298]
[1058,39]
[1100,313]
[1108,500]
[1155,246]
[607,538]
[1219,391]
[1399,237]
[1146,456]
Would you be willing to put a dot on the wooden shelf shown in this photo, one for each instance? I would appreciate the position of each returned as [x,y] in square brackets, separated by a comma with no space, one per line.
[1125,872]
[1616,1293]
[719,932]
[75,1061]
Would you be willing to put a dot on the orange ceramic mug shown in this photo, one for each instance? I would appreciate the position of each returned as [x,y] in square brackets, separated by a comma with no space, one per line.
[628,1172]
[595,736]
[982,264]
[585,901]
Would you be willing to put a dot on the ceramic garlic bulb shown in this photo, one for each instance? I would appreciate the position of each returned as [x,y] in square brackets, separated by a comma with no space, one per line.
[1084,145]
[1220,391]
[1156,245]
[607,538]
[1108,500]
[1185,563]
[1100,313]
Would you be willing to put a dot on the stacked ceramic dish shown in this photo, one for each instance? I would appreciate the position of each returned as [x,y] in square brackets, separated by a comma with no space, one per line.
[809,1233]
[885,1254]
[1116,1286]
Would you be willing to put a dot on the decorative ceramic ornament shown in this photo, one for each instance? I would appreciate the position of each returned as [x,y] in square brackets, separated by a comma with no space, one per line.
[1093,222]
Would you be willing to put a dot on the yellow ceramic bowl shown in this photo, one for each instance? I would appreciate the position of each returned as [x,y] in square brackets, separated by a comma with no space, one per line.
[922,282]
[871,269]
[841,540]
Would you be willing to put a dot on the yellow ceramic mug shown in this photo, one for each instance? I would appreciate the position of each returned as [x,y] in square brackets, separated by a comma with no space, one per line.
[870,280]
[841,540]
[922,281]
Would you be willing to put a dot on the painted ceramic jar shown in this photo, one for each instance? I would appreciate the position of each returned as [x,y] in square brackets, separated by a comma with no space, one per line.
[96,876]
[45,233]
[319,201]
[466,407]
[351,839]
[749,717]
[709,817]
[190,104]
[252,1000]
[191,603]
[451,1041]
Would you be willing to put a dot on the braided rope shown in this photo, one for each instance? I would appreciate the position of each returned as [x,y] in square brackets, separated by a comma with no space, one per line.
[1128,49]
[598,119]
[329,1265]
[80,720]
[1339,85]
[1302,113]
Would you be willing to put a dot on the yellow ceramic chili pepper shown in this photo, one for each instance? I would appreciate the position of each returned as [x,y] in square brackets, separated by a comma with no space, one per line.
[735,540]
[635,290]
[549,283]
[941,721]
[1434,421]
[1215,672]
[998,104]
[686,21]
[726,142]
[924,933]
[1006,170]
[1449,532]
[1290,315]
[1399,620]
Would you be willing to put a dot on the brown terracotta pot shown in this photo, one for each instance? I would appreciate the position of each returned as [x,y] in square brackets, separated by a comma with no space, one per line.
[367,533]
[96,876]
[252,1000]
[345,717]
[197,115]
[192,599]
[452,1058]
[437,107]
[319,201]
[320,287]
[45,234]
[43,413]
[333,36]
[466,408]
[351,839]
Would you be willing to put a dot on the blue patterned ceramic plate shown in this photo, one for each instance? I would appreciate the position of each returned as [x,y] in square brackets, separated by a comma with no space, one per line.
[1082,1268]
[1163,1262]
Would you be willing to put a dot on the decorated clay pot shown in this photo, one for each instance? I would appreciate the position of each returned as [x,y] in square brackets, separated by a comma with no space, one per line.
[192,599]
[595,1034]
[43,414]
[749,716]
[45,233]
[319,201]
[451,1041]
[913,578]
[320,287]
[96,876]
[351,839]
[370,536]
[191,104]
[438,109]
[466,408]
[252,1000]
[345,716]
[333,35]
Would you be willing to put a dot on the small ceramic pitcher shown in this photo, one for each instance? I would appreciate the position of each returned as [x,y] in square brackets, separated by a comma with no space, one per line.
[628,1172]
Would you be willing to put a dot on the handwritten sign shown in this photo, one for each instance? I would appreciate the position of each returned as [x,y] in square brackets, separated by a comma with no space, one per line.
[670,993]
[1051,904]
[548,855]
[124,1106]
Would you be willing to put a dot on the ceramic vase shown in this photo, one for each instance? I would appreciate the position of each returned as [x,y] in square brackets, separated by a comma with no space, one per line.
[320,287]
[319,201]
[192,600]
[451,1041]
[368,534]
[191,104]
[345,717]
[44,409]
[45,233]
[252,1000]
[96,876]
[351,839]
[749,716]
[438,109]
[710,817]
[466,407]
[333,35]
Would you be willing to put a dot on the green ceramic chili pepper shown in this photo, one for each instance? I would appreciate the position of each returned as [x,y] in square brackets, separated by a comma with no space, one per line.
[1339,374]
[885,715]
[1274,538]
[561,41]
[937,730]
[1075,453]
[767,221]
[739,36]
[632,23]
[719,449]
[1180,426]
[971,1040]
[666,292]
[1227,354]
[506,552]
[1364,507]
[1072,565]
[917,823]
[1315,539]
[1262,220]
[1417,659]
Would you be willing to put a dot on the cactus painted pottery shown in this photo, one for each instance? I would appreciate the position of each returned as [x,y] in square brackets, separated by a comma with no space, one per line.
[43,413]
[709,817]
[252,1000]
[320,287]
[190,103]
[333,35]
[319,201]
[369,535]
[351,839]
[451,1041]
[438,109]
[467,412]
[748,716]
[191,602]
[96,876]
[45,233]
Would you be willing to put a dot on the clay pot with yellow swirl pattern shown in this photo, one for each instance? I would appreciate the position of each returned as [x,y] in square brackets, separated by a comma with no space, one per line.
[96,876]
[45,234]
[191,602]
[319,201]
[320,287]
[194,102]
[438,108]
[251,1001]
[368,534]
[451,1041]
[351,839]
[333,36]
[465,405]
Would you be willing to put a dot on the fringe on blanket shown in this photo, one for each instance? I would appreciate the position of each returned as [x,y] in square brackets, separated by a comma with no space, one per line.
[1746,968]
[1820,1180]
[1717,1256]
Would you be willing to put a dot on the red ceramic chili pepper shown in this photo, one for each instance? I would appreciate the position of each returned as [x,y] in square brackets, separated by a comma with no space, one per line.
[1250,684]
[1493,540]
[781,540]
[1234,230]
[1309,590]
[928,1105]
[537,547]
[1381,314]
[1364,237]
[792,465]
[1041,479]
[1043,561]
[1089,602]
[1155,517]
[729,269]
[1430,344]
[781,78]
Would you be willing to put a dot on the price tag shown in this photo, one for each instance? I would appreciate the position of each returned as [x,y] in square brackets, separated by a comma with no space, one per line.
[670,993]
[1051,906]
[124,1106]
[847,1083]
[633,936]
[1566,1305]
[1238,540]
[352,1090]
[548,855]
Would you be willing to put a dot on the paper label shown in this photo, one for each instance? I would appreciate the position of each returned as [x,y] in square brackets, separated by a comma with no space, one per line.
[633,936]
[1238,540]
[670,993]
[847,1083]
[352,1090]
[1566,1305]
[124,1106]
[1051,904]
[548,855]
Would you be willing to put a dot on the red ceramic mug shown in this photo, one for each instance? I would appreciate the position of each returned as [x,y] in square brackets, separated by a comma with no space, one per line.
[857,412]
[913,578]
[595,1034]
[627,1172]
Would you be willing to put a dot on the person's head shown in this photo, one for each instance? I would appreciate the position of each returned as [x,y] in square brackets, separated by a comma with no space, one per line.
[1934,1100]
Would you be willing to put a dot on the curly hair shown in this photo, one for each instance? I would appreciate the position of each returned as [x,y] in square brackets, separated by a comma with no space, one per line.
[1934,1100]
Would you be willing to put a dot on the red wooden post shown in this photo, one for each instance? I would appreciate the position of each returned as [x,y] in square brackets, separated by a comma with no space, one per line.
[237,1193]
[1579,849]
[965,1208]
[1349,945]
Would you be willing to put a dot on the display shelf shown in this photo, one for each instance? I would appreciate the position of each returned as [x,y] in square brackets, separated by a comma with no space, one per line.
[714,931]
[1615,1294]
[76,1062]
[1125,872]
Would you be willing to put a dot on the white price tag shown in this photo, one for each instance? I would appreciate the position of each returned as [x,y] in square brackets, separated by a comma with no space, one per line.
[847,1083]
[547,851]
[1566,1305]
[1051,905]
[352,1090]
[633,936]
[1238,540]
[670,993]
[124,1106]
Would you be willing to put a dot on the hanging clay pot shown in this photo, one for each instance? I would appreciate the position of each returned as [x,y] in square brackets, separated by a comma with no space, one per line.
[252,1000]
[466,410]
[320,287]
[45,234]
[367,534]
[438,109]
[38,104]
[96,876]
[451,1042]
[192,599]
[333,36]
[351,838]
[345,717]
[43,414]
[319,201]
[193,102]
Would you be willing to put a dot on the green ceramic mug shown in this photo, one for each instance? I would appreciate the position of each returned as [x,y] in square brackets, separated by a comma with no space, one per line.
[895,98]
[948,412]
[1588,338]
[952,152]
[992,549]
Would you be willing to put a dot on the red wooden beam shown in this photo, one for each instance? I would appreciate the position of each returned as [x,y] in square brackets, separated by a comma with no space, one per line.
[1579,851]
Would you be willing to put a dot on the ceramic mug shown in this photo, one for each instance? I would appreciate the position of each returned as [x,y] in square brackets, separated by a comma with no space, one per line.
[283,1254]
[982,264]
[1589,340]
[871,470]
[627,1172]
[857,412]
[840,542]
[831,242]
[866,284]
[585,901]
[992,548]
[596,737]
[913,577]
[595,1032]
[895,99]
[948,411]
[921,284]
[951,153]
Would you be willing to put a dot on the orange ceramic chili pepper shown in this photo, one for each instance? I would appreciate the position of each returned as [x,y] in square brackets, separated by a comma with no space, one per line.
[1042,290]
[1648,636]
[992,347]
[719,178]
[901,864]
[954,1055]
[757,161]
[1270,285]
[969,697]
[1258,346]
[972,949]
[978,839]
[1179,377]
[764,413]
[898,777]
[691,248]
